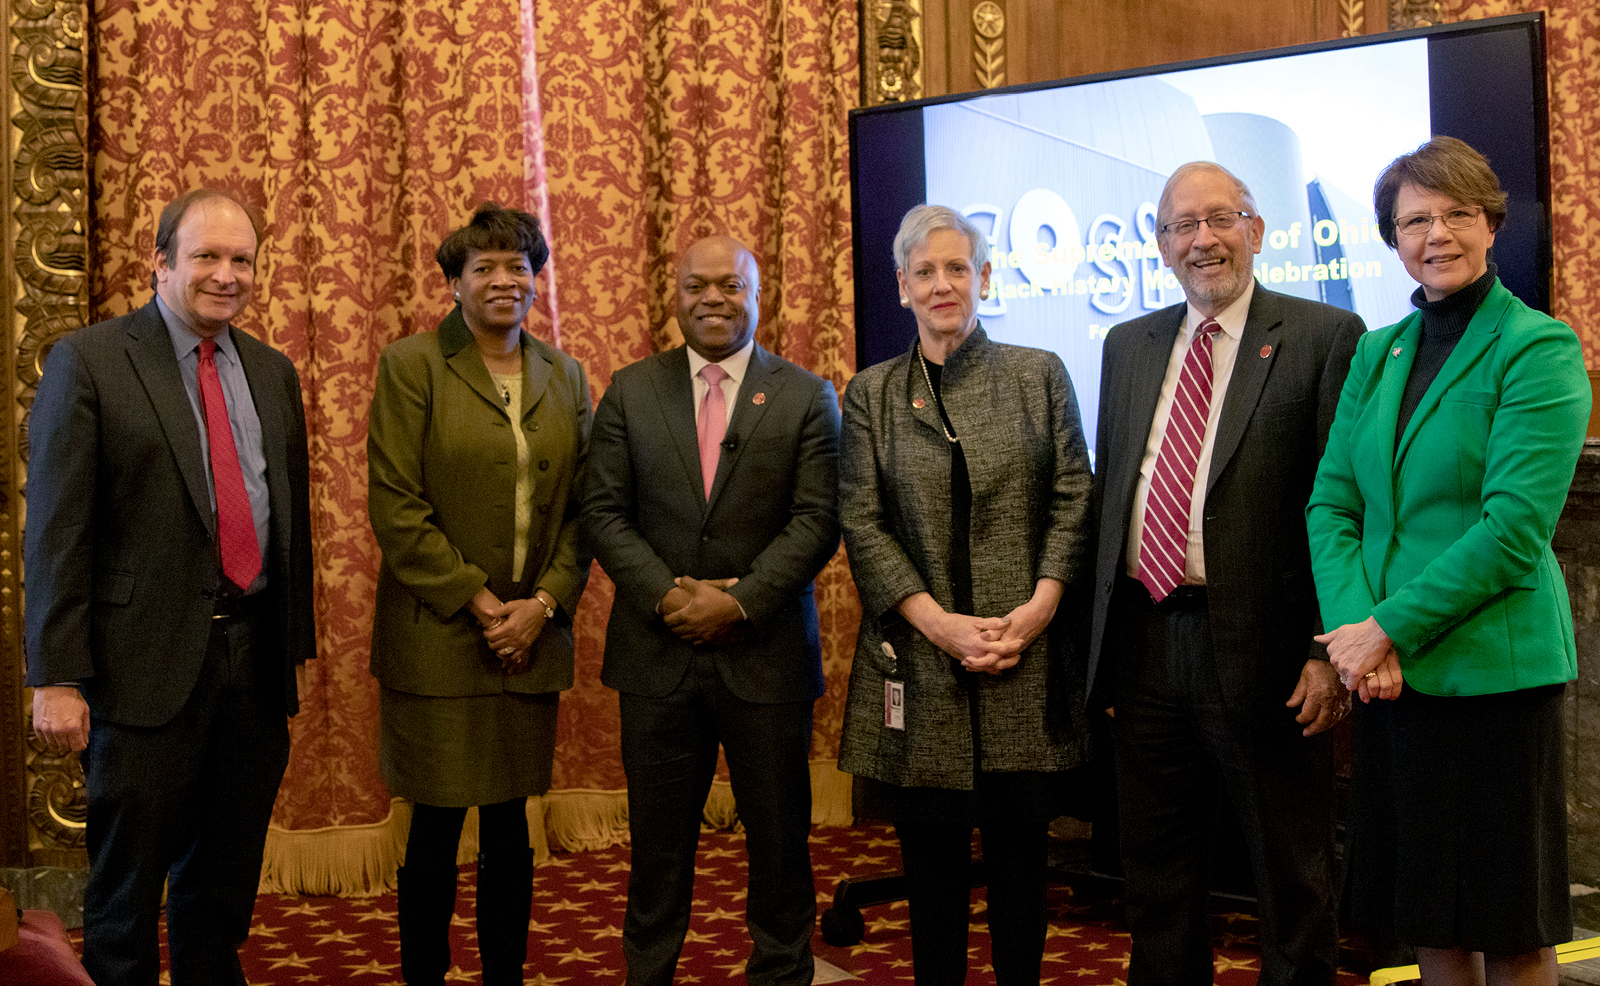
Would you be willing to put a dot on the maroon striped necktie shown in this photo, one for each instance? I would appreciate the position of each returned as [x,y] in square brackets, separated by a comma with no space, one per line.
[1165,539]
[236,526]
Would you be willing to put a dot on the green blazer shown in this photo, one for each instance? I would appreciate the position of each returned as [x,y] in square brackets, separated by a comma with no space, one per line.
[1445,539]
[441,490]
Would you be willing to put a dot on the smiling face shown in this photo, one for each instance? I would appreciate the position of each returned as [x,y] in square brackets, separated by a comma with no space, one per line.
[1213,267]
[207,274]
[1442,260]
[943,288]
[719,297]
[496,290]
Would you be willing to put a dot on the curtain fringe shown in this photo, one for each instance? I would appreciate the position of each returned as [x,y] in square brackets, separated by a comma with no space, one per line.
[360,860]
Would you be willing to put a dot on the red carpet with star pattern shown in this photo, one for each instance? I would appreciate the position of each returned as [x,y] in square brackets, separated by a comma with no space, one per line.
[576,938]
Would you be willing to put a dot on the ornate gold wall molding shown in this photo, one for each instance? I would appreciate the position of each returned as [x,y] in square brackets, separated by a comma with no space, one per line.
[989,44]
[891,51]
[48,296]
[1352,16]
[1413,13]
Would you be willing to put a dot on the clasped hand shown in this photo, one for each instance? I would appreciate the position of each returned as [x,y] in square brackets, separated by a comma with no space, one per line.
[510,628]
[1365,658]
[701,611]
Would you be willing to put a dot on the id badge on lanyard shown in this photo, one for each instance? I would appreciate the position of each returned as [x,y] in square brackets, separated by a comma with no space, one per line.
[894,692]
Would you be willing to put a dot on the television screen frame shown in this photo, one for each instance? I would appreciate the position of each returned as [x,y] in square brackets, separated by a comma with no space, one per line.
[1468,97]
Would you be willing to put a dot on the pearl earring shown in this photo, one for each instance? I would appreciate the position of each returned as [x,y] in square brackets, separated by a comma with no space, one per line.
[905,302]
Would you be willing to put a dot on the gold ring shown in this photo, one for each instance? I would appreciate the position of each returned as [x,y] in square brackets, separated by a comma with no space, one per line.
[1370,674]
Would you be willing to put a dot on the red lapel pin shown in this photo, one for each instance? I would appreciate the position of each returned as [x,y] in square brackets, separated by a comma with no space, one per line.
[1266,351]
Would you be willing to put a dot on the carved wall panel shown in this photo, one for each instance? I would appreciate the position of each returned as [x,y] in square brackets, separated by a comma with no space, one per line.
[47,297]
[891,51]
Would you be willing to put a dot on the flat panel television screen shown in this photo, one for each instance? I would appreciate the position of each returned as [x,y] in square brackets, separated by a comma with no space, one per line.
[1064,178]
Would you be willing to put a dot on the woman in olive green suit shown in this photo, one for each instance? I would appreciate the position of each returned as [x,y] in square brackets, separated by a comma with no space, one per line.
[1449,461]
[477,434]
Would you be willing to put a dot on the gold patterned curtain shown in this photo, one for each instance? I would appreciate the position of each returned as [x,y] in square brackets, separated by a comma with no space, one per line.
[363,131]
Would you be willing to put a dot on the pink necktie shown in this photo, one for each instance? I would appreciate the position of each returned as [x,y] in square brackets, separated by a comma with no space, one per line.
[1165,541]
[236,526]
[712,423]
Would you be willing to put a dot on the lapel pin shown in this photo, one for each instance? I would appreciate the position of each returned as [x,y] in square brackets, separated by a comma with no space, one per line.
[759,398]
[1396,351]
[918,403]
[1266,351]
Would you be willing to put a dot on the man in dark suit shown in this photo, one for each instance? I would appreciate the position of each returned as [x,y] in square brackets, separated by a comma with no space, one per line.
[169,597]
[1213,415]
[711,501]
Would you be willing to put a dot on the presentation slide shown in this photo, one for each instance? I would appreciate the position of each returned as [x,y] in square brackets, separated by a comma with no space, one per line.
[1070,206]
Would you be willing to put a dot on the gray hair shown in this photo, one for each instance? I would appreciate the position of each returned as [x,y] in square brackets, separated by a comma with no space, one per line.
[1194,167]
[925,220]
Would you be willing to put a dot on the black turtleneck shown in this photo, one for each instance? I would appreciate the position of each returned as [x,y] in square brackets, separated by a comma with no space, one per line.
[1443,323]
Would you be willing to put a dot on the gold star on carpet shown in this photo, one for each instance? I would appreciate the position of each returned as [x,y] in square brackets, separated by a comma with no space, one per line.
[275,944]
[899,963]
[1054,957]
[880,925]
[864,861]
[1095,946]
[294,961]
[1057,931]
[688,977]
[557,861]
[261,929]
[543,980]
[698,937]
[578,955]
[721,953]
[609,931]
[307,909]
[324,923]
[374,968]
[458,975]
[723,914]
[595,885]
[540,928]
[719,853]
[1234,916]
[355,953]
[308,978]
[733,970]
[869,948]
[460,921]
[1120,960]
[1087,972]
[619,867]
[879,843]
[336,938]
[566,905]
[1224,964]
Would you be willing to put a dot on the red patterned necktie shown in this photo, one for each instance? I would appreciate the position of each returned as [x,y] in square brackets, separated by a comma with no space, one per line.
[236,526]
[712,423]
[1165,541]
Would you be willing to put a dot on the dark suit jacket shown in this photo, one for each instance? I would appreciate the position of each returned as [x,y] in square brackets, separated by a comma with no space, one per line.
[120,547]
[1280,403]
[772,520]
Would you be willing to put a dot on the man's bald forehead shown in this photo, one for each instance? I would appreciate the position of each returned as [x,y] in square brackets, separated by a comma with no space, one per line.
[710,246]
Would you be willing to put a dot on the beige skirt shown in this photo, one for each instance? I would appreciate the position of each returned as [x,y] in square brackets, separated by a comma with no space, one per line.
[461,752]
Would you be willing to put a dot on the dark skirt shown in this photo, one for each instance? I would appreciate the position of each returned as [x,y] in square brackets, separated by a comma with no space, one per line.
[467,751]
[1459,821]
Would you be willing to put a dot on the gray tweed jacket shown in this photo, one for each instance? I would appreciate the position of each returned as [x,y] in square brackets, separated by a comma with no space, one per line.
[1017,417]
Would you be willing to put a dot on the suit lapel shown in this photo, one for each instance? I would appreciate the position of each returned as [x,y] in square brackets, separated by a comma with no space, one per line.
[455,344]
[150,352]
[675,398]
[760,379]
[1481,332]
[1261,335]
[536,372]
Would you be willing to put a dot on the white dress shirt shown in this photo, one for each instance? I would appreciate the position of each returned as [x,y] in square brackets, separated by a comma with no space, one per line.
[734,366]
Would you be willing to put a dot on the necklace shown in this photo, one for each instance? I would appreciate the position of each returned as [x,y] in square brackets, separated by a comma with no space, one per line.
[938,405]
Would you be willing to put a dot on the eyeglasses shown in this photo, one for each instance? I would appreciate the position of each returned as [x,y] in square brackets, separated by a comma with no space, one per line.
[1219,223]
[1462,218]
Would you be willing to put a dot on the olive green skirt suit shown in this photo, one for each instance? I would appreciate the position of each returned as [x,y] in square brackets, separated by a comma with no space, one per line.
[442,487]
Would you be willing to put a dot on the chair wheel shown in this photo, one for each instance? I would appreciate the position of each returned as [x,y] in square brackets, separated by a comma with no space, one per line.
[842,926]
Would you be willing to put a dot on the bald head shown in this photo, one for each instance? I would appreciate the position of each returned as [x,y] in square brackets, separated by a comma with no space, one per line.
[719,293]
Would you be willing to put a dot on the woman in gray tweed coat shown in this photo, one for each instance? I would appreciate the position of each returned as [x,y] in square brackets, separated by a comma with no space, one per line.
[964,479]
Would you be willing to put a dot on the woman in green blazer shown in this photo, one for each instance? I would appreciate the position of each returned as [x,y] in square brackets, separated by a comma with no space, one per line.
[477,434]
[1449,461]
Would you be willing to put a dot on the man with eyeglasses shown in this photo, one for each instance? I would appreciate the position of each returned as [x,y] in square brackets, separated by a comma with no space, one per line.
[1213,414]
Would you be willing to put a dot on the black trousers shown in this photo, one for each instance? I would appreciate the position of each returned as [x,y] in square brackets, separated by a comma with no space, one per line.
[185,804]
[1178,744]
[669,753]
[935,856]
